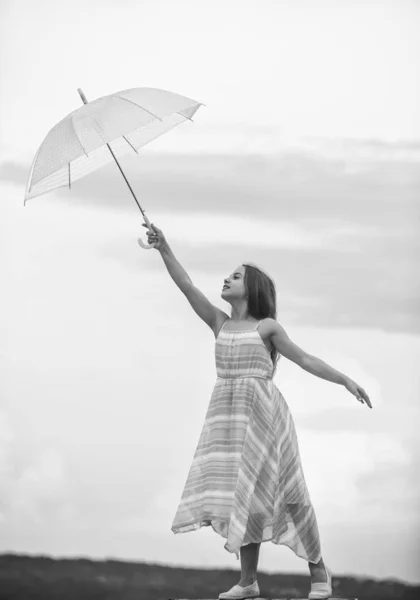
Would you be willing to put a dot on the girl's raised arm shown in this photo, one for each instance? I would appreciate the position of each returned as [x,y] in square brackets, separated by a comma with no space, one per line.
[209,313]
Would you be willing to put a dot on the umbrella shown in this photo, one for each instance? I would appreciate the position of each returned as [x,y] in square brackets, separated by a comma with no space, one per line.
[81,142]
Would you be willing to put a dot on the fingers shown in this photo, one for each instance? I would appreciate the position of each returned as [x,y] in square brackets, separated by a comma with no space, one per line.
[367,400]
[359,392]
[153,234]
[152,237]
[363,397]
[153,226]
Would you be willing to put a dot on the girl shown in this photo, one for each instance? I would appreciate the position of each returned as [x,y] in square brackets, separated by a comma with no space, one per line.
[246,479]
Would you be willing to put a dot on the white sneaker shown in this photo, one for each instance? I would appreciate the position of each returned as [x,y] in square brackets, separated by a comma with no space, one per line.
[241,593]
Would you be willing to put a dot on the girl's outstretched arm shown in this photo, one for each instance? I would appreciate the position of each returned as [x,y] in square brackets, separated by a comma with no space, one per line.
[312,364]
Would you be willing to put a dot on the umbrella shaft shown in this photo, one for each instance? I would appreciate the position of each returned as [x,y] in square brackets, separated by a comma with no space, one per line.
[126,180]
[83,97]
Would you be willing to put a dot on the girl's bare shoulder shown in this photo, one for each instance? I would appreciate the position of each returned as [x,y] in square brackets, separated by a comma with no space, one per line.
[267,327]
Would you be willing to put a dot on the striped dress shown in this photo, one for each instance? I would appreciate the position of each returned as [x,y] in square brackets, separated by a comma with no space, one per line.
[246,478]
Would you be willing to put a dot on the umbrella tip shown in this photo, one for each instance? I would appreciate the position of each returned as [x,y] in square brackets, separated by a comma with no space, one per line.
[83,97]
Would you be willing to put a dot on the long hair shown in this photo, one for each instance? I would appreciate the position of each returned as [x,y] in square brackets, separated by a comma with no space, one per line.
[262,302]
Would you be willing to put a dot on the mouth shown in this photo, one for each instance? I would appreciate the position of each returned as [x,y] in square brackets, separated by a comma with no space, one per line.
[225,287]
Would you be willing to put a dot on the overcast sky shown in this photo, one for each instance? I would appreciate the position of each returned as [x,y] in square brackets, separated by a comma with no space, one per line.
[305,160]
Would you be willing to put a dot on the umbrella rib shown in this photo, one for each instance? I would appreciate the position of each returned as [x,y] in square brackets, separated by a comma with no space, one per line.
[138,106]
[185,117]
[29,185]
[130,144]
[69,178]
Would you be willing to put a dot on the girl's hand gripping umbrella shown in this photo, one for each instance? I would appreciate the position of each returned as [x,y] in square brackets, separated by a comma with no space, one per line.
[81,142]
[155,236]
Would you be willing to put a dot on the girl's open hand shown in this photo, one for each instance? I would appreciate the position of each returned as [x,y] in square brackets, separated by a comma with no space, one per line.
[156,235]
[357,391]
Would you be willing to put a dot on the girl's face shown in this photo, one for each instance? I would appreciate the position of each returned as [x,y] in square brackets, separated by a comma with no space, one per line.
[235,287]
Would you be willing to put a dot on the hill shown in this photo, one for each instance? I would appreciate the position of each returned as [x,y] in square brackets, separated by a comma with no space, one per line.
[24,577]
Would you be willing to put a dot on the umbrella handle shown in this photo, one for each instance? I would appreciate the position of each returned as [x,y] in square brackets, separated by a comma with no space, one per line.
[149,226]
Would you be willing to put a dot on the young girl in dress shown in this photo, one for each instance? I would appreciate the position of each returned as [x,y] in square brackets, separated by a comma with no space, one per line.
[246,479]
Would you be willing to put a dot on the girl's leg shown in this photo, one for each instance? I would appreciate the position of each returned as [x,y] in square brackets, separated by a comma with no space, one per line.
[318,573]
[249,563]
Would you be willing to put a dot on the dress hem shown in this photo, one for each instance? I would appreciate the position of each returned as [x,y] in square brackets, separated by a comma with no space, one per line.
[195,525]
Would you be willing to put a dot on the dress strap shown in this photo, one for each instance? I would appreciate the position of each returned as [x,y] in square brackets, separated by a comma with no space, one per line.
[223,324]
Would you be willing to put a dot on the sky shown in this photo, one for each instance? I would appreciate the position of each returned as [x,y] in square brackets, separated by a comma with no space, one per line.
[305,161]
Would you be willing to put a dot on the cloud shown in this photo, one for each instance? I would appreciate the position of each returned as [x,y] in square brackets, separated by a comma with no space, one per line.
[336,484]
[40,488]
[392,483]
[362,153]
[331,172]
[6,438]
[337,261]
[33,481]
[203,230]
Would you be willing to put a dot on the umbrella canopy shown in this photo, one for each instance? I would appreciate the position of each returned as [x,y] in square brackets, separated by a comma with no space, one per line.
[81,142]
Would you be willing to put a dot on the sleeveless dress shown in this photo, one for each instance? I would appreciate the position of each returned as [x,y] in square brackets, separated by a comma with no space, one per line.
[246,479]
